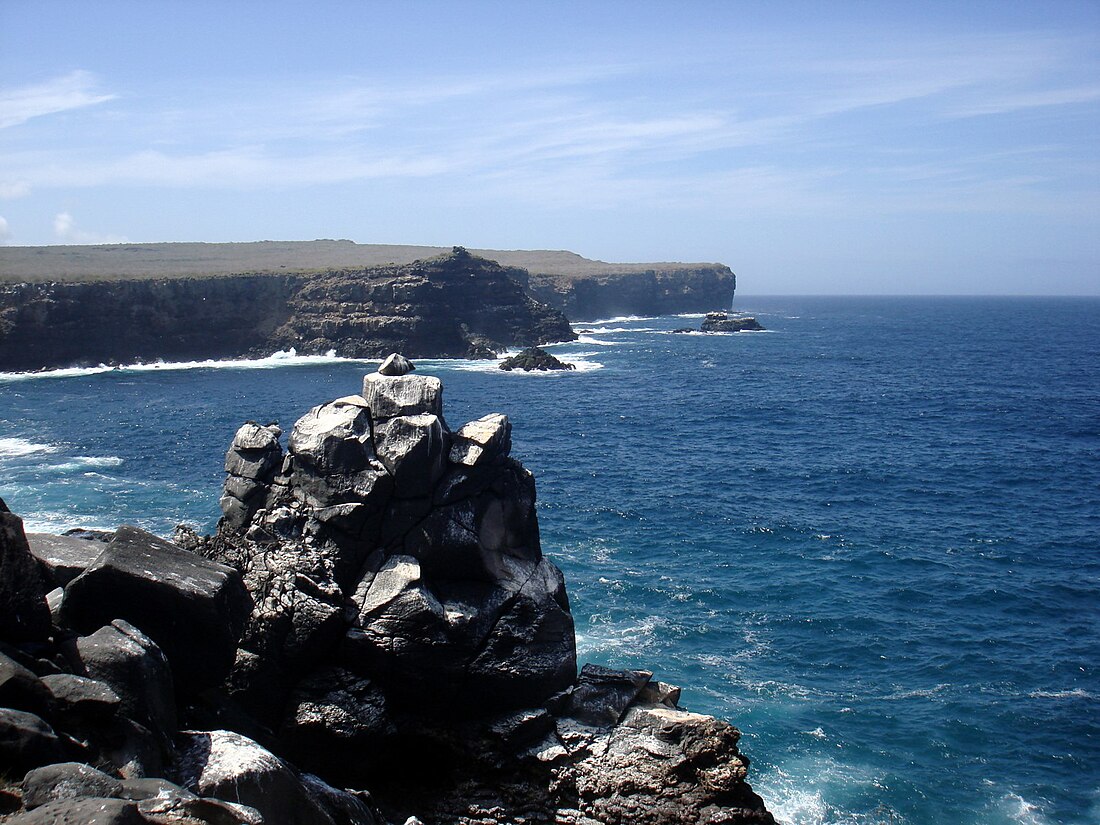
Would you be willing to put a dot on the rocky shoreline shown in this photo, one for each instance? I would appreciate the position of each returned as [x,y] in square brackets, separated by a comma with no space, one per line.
[372,635]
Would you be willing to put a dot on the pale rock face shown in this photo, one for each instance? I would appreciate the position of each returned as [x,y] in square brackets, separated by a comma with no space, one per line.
[334,437]
[481,441]
[388,396]
[413,449]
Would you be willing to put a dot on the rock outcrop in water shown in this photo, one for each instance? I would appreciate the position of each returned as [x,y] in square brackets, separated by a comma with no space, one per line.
[723,322]
[534,358]
[374,613]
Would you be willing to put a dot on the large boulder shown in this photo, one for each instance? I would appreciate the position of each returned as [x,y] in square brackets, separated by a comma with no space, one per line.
[193,608]
[24,615]
[130,663]
[67,780]
[63,558]
[226,765]
[391,395]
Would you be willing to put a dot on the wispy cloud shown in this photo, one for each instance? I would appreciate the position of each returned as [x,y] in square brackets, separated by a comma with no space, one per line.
[66,231]
[72,91]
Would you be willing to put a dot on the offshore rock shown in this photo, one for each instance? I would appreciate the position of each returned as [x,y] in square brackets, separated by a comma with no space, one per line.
[534,358]
[722,322]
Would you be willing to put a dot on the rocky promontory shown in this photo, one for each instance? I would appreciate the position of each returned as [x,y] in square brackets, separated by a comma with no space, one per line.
[372,635]
[455,305]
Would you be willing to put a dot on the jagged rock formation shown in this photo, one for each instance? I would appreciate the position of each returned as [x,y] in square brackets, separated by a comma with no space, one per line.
[378,612]
[455,305]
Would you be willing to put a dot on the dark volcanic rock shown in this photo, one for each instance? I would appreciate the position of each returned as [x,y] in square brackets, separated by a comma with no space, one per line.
[449,603]
[24,615]
[26,741]
[67,780]
[63,558]
[127,660]
[446,306]
[534,358]
[722,322]
[191,607]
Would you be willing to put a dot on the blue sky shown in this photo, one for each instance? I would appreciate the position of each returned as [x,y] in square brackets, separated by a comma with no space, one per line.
[814,147]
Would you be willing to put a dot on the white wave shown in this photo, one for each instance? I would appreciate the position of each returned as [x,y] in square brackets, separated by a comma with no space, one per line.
[83,462]
[816,733]
[690,315]
[1018,809]
[282,358]
[620,319]
[1076,693]
[613,330]
[587,339]
[14,447]
[799,793]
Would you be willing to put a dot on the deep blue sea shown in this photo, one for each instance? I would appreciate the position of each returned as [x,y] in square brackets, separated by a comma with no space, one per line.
[870,537]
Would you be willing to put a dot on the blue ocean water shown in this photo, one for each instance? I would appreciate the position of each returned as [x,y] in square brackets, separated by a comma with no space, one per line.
[870,536]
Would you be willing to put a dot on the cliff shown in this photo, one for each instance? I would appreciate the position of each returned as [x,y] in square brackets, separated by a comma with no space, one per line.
[373,635]
[66,305]
[453,305]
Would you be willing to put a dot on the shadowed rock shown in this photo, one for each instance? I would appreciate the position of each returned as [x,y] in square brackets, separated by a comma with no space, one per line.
[193,608]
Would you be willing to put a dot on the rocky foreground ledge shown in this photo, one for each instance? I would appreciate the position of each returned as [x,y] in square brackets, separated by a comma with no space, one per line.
[371,636]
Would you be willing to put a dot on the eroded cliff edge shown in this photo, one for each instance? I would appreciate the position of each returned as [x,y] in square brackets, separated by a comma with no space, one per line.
[85,305]
[374,613]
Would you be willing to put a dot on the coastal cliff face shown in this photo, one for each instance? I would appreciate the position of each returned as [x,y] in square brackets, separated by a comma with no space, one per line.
[650,292]
[374,613]
[455,305]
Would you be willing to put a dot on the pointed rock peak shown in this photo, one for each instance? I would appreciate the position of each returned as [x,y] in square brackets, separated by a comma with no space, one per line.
[396,364]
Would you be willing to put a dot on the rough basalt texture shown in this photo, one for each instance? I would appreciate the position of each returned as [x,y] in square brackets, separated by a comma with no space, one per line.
[406,554]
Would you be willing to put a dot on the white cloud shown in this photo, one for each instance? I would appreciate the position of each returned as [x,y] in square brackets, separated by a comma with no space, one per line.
[10,190]
[66,231]
[72,91]
[5,231]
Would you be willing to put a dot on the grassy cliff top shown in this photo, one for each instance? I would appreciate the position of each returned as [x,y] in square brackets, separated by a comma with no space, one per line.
[184,260]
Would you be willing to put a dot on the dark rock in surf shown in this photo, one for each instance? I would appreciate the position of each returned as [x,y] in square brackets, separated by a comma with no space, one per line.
[722,322]
[534,358]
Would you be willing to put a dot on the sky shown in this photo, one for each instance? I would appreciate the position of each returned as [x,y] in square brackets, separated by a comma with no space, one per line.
[815,148]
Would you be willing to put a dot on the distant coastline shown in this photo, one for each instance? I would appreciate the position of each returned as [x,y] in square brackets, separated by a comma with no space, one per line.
[66,306]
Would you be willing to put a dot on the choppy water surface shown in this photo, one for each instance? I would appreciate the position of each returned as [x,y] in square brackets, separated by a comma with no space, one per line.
[870,536]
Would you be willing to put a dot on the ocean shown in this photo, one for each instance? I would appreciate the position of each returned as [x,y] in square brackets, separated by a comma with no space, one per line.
[869,537]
